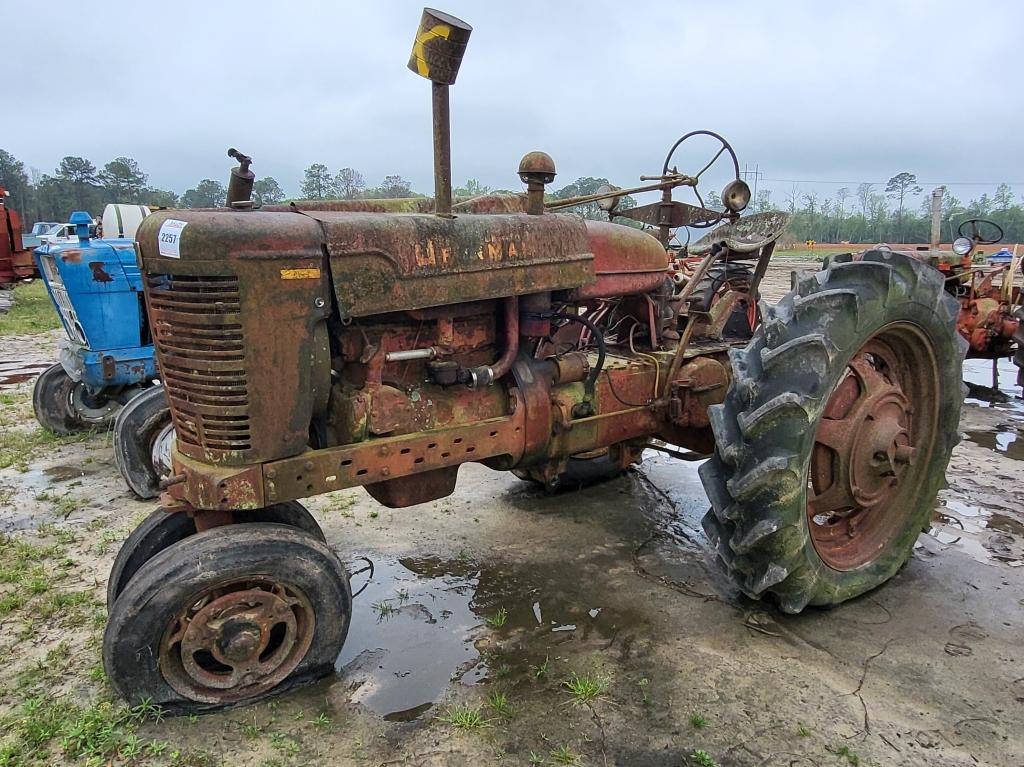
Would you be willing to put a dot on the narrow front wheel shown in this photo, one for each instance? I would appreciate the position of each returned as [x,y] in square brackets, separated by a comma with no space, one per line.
[268,610]
[143,435]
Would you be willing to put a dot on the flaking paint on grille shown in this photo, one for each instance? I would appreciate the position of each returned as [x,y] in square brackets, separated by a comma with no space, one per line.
[197,332]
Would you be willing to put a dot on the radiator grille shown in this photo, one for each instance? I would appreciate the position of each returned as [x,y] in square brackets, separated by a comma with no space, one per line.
[197,332]
[60,296]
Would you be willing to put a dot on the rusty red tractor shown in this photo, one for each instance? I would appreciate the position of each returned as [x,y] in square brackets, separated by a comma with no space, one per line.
[309,348]
[16,261]
[988,295]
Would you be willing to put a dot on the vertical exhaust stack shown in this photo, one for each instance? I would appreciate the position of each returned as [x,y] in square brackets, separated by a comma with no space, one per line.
[436,55]
[936,231]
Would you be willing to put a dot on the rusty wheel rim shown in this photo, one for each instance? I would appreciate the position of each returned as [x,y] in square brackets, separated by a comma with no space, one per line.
[236,640]
[874,439]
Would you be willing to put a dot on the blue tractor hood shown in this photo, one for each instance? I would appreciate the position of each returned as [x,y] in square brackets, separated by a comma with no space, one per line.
[96,287]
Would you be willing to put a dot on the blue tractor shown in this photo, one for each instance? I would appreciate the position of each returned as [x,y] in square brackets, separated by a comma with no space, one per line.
[107,366]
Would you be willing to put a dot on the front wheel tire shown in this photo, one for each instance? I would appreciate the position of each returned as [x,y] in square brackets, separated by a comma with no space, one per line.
[161,530]
[835,434]
[269,609]
[143,433]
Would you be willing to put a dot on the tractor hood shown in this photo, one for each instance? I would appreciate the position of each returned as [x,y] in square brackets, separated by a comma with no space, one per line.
[377,262]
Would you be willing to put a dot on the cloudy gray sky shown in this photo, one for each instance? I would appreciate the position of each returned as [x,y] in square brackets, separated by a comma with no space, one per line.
[810,91]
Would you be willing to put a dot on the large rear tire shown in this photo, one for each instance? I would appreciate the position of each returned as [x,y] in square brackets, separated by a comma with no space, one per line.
[835,434]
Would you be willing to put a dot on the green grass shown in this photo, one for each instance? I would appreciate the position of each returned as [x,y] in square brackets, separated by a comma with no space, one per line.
[29,574]
[565,755]
[697,721]
[497,620]
[501,705]
[384,609]
[585,688]
[99,733]
[463,717]
[846,753]
[703,759]
[32,312]
[19,445]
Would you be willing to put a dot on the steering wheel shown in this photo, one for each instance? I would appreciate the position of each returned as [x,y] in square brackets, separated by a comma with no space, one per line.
[726,147]
[976,231]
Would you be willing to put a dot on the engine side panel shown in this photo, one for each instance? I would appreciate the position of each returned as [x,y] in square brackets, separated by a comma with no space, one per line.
[384,263]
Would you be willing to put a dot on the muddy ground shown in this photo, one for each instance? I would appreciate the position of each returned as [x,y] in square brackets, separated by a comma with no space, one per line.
[611,585]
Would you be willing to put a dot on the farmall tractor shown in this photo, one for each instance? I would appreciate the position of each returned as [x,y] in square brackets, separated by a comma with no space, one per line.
[308,350]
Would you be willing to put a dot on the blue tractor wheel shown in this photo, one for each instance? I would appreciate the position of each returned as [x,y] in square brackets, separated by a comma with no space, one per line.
[65,406]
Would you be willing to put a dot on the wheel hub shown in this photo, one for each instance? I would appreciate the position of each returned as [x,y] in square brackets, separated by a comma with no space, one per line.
[863,457]
[236,640]
[89,408]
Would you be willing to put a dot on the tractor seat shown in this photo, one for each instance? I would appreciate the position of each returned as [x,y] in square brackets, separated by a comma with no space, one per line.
[748,235]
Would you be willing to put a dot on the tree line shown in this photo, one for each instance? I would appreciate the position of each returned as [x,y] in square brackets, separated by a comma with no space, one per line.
[866,213]
[887,213]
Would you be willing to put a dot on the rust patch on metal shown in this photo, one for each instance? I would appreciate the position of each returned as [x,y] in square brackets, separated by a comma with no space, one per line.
[236,640]
[99,274]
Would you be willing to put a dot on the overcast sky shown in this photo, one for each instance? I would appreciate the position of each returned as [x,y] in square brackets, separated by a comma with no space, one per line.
[811,91]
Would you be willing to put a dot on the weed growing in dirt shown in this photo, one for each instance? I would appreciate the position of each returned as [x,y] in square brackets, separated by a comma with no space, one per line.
[501,705]
[703,759]
[802,731]
[497,620]
[339,503]
[645,695]
[32,311]
[321,721]
[697,721]
[845,752]
[565,755]
[536,759]
[540,671]
[463,717]
[585,688]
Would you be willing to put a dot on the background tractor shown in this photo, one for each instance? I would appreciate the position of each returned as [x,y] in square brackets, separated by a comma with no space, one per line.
[311,348]
[107,357]
[15,259]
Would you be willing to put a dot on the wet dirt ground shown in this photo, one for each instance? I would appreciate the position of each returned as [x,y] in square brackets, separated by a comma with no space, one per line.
[503,589]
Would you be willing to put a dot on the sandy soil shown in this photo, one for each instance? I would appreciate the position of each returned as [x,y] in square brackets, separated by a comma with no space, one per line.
[613,583]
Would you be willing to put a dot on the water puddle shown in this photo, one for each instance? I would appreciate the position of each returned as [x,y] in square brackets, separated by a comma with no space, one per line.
[1006,441]
[984,535]
[14,372]
[978,377]
[44,479]
[423,624]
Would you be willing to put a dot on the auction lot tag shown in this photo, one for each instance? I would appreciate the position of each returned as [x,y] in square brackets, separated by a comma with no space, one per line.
[170,237]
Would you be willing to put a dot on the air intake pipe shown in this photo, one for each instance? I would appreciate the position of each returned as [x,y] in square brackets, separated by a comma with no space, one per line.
[436,55]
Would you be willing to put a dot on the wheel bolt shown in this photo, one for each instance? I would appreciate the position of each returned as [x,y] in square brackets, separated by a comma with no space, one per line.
[905,454]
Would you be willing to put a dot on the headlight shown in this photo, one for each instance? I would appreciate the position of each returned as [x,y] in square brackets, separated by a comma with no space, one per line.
[736,196]
[962,246]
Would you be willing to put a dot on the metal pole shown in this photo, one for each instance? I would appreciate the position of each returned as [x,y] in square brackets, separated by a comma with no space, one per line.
[442,151]
[936,232]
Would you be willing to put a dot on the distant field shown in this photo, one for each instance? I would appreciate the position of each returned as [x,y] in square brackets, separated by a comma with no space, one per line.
[822,249]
